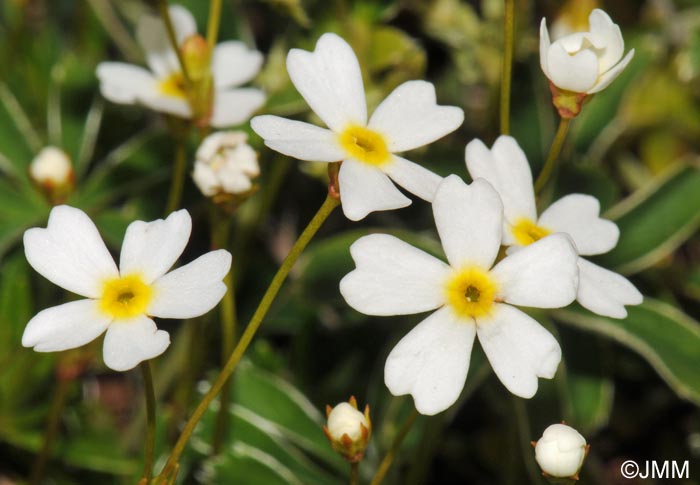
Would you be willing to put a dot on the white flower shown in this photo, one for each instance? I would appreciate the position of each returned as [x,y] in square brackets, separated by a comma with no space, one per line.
[71,254]
[346,420]
[561,451]
[584,62]
[330,80]
[51,167]
[507,169]
[163,88]
[471,298]
[225,164]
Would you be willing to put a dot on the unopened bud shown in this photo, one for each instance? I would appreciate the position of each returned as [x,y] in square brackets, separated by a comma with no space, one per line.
[561,451]
[348,430]
[197,57]
[52,170]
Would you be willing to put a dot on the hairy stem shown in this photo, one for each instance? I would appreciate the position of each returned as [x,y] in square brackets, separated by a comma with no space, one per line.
[213,22]
[393,451]
[554,152]
[177,182]
[506,71]
[150,445]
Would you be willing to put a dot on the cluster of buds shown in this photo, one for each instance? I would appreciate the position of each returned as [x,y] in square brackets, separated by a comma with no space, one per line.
[348,430]
[52,171]
[560,452]
[225,167]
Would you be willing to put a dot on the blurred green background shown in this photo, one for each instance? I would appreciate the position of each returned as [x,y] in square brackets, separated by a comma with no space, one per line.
[632,387]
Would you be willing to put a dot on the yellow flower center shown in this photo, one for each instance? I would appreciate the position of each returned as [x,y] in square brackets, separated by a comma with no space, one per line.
[527,232]
[173,85]
[365,145]
[471,292]
[125,297]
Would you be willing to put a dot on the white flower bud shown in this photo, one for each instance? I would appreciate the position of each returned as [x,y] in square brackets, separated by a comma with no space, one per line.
[225,164]
[584,62]
[560,451]
[345,419]
[51,168]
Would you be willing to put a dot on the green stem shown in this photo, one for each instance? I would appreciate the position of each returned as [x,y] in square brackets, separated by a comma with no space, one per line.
[355,473]
[177,182]
[213,22]
[59,402]
[524,434]
[165,15]
[506,71]
[326,209]
[150,445]
[554,152]
[393,451]
[222,230]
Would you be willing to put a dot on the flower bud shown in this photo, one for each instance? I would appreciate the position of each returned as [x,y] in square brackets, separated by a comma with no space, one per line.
[52,170]
[584,62]
[348,429]
[561,451]
[226,165]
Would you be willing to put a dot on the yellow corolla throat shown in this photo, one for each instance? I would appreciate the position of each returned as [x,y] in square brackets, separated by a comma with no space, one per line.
[471,292]
[173,86]
[526,232]
[125,297]
[364,145]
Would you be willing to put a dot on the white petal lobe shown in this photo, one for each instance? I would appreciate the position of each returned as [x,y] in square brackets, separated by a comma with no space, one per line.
[65,326]
[70,252]
[416,179]
[151,248]
[605,80]
[365,189]
[431,362]
[125,84]
[193,289]
[519,349]
[234,64]
[235,106]
[605,292]
[393,277]
[130,342]
[469,220]
[577,72]
[298,139]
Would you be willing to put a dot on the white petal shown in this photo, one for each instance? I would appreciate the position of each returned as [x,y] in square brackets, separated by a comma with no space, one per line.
[365,189]
[469,220]
[578,215]
[606,35]
[235,106]
[605,80]
[605,292]
[413,177]
[519,349]
[330,80]
[234,64]
[543,274]
[168,104]
[506,168]
[70,252]
[544,46]
[193,289]
[153,38]
[410,117]
[298,139]
[151,248]
[577,72]
[393,278]
[431,362]
[65,326]
[124,83]
[130,342]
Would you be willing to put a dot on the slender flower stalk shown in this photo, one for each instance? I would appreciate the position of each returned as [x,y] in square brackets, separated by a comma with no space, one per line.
[355,473]
[393,451]
[324,211]
[165,14]
[57,405]
[177,182]
[150,445]
[506,72]
[213,22]
[554,152]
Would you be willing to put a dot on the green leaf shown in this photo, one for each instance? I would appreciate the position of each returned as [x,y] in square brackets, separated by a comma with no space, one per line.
[591,399]
[654,221]
[663,335]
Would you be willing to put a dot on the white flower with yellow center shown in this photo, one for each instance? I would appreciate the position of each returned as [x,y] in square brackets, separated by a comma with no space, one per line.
[163,87]
[71,254]
[330,80]
[506,167]
[472,297]
[584,62]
